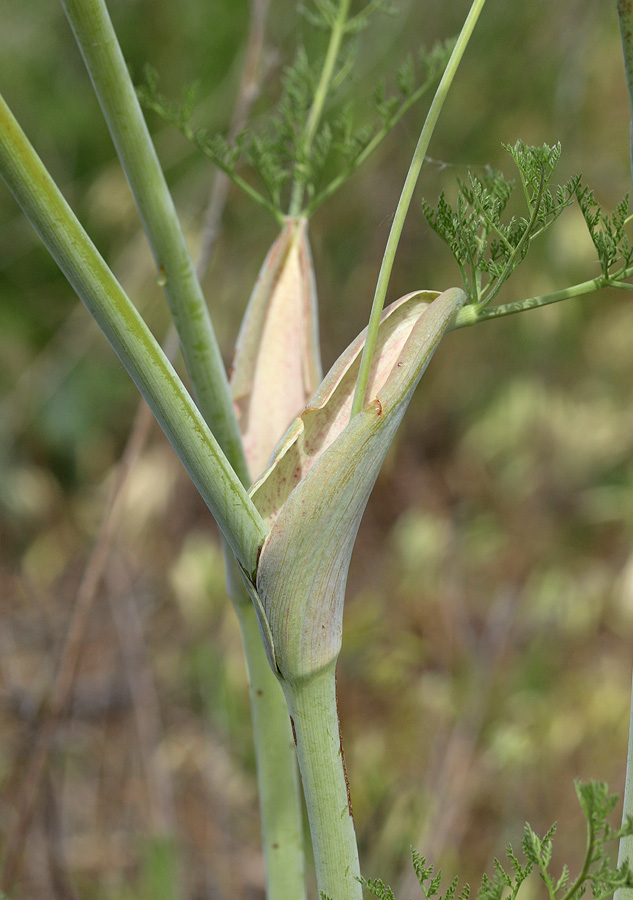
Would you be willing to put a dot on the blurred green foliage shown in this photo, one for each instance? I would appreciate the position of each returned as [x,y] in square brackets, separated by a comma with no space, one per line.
[486,658]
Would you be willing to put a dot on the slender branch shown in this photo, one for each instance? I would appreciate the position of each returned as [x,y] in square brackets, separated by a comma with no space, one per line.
[320,96]
[105,299]
[625,850]
[99,46]
[582,875]
[470,315]
[405,200]
[625,16]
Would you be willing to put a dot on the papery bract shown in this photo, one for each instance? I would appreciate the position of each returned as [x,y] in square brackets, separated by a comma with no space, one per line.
[277,366]
[315,490]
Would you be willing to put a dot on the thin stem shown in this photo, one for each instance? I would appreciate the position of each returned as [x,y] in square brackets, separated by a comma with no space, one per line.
[471,315]
[405,201]
[104,60]
[625,16]
[625,850]
[320,96]
[129,336]
[312,706]
[277,776]
[582,876]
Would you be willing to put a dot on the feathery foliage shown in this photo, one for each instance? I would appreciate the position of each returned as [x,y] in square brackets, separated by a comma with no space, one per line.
[597,871]
[277,151]
[607,232]
[487,249]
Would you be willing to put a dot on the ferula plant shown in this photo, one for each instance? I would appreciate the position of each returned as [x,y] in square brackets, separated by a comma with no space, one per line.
[285,458]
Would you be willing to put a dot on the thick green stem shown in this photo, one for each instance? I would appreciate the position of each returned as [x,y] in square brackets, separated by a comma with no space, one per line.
[101,52]
[312,706]
[79,260]
[276,765]
[277,776]
[405,201]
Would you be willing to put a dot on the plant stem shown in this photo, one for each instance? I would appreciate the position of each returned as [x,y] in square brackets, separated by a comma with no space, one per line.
[405,201]
[625,16]
[132,341]
[276,766]
[625,850]
[277,777]
[312,706]
[471,315]
[320,96]
[104,60]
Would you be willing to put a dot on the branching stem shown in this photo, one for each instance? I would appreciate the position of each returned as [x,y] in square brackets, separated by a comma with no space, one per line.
[471,315]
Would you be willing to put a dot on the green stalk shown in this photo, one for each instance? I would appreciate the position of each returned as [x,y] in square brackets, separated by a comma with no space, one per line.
[79,260]
[320,96]
[471,315]
[405,201]
[312,706]
[104,60]
[625,16]
[276,766]
[277,777]
[625,851]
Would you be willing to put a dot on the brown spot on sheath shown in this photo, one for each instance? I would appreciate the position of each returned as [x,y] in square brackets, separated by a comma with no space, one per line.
[260,693]
[275,846]
[377,406]
[294,733]
[340,742]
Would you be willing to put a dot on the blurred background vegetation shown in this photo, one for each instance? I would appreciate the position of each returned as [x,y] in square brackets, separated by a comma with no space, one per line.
[487,647]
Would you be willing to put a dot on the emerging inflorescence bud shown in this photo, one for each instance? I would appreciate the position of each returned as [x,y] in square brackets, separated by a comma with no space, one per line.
[277,365]
[313,494]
